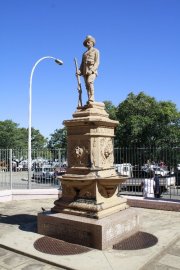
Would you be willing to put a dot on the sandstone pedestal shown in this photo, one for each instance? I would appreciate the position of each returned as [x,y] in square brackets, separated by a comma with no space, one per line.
[89,188]
[95,233]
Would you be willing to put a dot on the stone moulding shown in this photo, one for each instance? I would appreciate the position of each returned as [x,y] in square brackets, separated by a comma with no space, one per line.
[93,198]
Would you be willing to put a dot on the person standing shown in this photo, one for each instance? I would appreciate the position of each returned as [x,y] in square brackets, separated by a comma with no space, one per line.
[157,192]
[148,185]
[89,66]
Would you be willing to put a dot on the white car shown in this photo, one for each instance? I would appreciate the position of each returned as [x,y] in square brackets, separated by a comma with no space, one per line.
[161,171]
[124,169]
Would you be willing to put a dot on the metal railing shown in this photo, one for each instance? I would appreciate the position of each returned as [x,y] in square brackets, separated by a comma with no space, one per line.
[132,162]
[46,166]
[137,162]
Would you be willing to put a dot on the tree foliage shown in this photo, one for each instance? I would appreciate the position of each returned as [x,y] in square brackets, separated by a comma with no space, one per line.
[8,134]
[58,139]
[13,137]
[145,121]
[111,110]
[37,139]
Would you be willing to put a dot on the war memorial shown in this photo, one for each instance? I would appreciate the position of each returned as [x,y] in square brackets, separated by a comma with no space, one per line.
[89,212]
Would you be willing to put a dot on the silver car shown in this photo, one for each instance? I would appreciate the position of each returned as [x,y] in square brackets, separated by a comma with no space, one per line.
[43,173]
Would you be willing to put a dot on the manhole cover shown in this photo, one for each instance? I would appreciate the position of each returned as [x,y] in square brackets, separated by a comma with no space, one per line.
[54,246]
[139,240]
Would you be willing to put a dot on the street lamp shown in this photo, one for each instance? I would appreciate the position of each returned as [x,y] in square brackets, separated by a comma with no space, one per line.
[59,62]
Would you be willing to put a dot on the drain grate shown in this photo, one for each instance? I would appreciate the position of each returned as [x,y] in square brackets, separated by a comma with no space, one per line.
[139,240]
[54,246]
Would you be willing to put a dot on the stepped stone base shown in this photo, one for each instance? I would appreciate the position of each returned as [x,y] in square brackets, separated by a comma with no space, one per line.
[98,234]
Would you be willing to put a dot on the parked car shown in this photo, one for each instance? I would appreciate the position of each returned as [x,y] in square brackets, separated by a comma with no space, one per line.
[44,173]
[124,169]
[161,171]
[60,170]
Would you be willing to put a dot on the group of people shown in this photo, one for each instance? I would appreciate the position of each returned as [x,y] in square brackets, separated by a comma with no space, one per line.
[151,186]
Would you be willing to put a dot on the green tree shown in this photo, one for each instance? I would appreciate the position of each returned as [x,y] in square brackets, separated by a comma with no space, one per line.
[8,134]
[144,121]
[58,139]
[11,136]
[37,139]
[111,109]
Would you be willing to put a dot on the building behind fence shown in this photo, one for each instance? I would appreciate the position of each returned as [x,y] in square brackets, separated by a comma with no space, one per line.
[132,162]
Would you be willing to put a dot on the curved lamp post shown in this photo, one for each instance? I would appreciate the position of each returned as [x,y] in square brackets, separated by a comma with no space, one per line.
[59,62]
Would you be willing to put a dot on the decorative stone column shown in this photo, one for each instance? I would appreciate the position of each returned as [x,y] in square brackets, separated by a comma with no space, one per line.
[90,186]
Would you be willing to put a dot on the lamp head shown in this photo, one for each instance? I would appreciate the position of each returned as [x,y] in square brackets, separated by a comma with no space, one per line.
[59,62]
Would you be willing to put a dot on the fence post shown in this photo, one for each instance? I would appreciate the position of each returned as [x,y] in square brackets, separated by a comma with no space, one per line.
[59,156]
[10,168]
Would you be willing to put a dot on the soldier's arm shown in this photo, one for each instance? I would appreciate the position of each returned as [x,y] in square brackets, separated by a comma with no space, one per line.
[96,62]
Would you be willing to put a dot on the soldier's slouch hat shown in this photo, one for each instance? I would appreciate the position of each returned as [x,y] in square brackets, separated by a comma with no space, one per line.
[87,39]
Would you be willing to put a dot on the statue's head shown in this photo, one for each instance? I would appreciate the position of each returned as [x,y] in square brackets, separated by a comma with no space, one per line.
[89,38]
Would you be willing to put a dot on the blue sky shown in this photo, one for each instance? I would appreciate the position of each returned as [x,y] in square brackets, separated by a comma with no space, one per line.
[138,40]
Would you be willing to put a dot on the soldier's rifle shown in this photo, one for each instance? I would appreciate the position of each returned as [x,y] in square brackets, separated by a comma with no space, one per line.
[79,84]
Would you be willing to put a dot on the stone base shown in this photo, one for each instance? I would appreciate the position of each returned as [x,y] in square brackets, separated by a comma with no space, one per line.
[99,234]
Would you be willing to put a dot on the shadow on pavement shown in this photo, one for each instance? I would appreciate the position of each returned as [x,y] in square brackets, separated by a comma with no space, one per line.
[26,222]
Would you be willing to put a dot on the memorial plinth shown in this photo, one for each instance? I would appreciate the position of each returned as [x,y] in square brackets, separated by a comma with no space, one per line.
[89,203]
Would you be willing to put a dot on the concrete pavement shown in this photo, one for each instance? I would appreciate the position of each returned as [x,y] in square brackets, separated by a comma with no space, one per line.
[12,260]
[18,235]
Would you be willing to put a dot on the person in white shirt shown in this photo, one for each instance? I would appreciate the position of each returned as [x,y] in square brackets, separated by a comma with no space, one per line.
[148,185]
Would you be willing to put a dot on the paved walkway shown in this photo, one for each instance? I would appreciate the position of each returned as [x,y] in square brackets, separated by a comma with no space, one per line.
[12,260]
[18,234]
[167,259]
